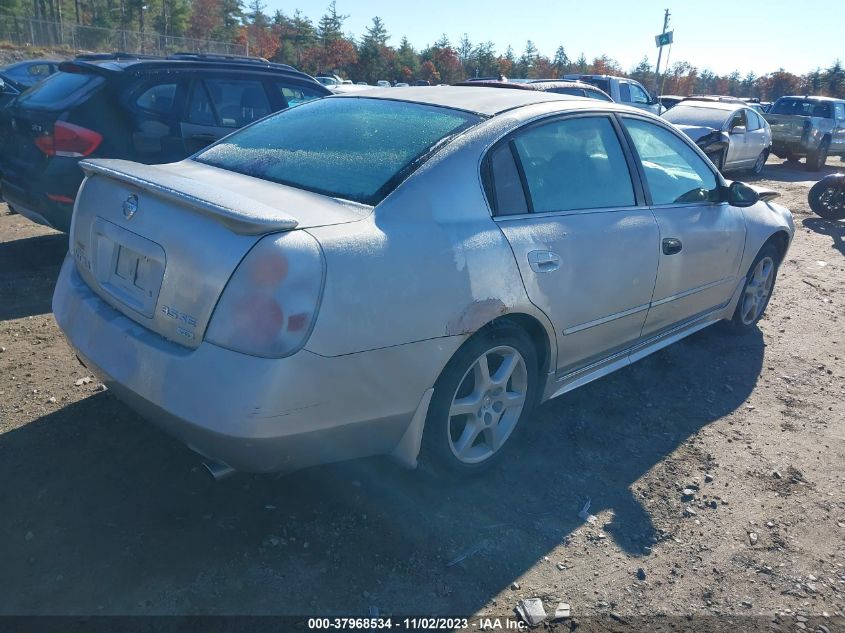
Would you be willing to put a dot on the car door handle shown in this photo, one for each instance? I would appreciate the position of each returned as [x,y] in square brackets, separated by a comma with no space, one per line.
[206,138]
[543,261]
[671,246]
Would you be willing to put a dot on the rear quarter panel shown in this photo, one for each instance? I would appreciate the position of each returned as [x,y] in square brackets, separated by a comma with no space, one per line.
[429,263]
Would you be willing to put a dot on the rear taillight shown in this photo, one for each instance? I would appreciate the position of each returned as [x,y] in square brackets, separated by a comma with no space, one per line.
[270,303]
[69,140]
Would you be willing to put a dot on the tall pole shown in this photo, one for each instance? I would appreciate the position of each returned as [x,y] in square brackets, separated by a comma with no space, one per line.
[659,55]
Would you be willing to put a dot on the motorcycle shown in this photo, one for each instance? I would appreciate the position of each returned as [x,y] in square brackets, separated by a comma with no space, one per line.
[827,197]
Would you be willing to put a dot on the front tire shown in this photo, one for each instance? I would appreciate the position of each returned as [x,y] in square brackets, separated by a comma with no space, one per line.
[480,401]
[718,159]
[759,284]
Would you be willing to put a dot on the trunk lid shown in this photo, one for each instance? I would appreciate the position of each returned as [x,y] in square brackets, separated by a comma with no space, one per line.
[159,243]
[786,126]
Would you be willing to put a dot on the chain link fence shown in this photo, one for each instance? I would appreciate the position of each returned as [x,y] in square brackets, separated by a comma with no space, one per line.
[31,32]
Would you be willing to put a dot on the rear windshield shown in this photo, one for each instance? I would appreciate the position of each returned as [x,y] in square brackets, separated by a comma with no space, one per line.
[601,84]
[801,107]
[353,148]
[57,88]
[697,115]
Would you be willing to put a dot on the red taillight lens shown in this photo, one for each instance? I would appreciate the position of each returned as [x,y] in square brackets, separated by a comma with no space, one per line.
[69,140]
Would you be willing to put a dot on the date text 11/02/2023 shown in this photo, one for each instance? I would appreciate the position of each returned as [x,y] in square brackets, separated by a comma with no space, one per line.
[417,624]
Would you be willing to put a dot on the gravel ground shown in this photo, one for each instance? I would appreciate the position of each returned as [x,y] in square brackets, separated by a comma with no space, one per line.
[101,513]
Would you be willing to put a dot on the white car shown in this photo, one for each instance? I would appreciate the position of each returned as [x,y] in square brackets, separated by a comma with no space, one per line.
[734,136]
[392,271]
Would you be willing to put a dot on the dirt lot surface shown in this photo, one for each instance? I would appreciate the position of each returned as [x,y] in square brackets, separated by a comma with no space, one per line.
[101,513]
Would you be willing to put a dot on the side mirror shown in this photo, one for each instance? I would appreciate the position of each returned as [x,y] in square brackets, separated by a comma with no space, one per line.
[739,129]
[741,195]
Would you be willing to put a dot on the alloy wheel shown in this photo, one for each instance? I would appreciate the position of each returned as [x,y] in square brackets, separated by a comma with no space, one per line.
[757,290]
[487,404]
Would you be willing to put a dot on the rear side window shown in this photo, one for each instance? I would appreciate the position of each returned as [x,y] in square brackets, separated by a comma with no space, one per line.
[753,120]
[574,164]
[508,196]
[157,98]
[347,147]
[57,88]
[237,102]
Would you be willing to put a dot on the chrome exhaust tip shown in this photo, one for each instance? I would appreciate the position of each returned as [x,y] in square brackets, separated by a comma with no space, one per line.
[218,470]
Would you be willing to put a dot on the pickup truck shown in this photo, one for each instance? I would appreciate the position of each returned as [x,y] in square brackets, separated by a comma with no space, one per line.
[807,126]
[622,90]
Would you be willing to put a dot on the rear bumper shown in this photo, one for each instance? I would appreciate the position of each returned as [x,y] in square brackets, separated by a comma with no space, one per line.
[785,147]
[254,414]
[29,191]
[41,210]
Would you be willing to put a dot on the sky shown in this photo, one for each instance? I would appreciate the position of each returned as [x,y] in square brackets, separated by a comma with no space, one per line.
[721,35]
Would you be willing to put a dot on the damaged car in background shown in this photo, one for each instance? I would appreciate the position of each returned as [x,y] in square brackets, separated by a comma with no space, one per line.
[732,135]
[404,274]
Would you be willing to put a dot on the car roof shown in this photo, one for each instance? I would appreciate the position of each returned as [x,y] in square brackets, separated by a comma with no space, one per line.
[727,106]
[119,62]
[811,98]
[478,99]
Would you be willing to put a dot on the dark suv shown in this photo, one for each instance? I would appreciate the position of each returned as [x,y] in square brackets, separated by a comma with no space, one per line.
[149,110]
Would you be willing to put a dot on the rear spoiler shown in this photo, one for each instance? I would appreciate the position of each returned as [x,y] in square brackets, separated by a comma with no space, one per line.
[236,211]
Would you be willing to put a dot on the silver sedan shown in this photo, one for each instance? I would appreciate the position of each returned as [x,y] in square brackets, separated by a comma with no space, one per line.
[732,135]
[405,274]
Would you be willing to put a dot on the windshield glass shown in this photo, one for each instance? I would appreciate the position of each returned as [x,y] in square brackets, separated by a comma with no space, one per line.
[799,107]
[697,115]
[352,148]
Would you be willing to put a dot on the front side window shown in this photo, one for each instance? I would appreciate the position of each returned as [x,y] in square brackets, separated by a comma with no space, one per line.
[638,95]
[675,173]
[839,109]
[625,92]
[346,147]
[574,163]
[738,120]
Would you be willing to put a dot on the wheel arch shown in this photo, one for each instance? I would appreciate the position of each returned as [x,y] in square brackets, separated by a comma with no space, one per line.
[780,239]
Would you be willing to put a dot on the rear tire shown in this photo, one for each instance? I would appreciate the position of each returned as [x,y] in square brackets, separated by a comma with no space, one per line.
[757,168]
[757,291]
[481,400]
[817,158]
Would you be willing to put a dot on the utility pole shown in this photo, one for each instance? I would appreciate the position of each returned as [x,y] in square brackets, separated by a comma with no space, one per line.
[659,55]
